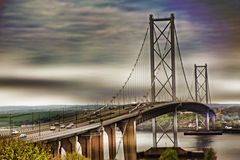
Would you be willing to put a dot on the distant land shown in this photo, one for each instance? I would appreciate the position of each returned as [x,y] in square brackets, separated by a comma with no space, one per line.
[219,105]
[19,109]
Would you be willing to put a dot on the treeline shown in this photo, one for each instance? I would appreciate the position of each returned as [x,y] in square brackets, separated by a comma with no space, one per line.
[21,150]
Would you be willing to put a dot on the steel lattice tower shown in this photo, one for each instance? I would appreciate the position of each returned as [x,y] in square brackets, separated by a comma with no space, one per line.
[162,60]
[201,83]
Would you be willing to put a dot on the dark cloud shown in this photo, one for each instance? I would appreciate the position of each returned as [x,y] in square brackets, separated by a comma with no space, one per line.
[78,91]
[29,83]
[218,19]
[2,4]
[80,34]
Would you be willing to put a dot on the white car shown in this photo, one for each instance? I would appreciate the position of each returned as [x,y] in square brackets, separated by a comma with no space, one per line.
[52,128]
[226,127]
[15,132]
[69,126]
[23,135]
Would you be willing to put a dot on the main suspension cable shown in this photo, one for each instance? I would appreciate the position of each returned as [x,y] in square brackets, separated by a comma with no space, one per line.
[210,99]
[134,66]
[180,57]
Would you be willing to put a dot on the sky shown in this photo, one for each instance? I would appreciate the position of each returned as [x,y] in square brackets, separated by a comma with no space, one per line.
[81,51]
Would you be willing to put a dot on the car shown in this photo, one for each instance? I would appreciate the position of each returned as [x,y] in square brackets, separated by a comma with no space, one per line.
[15,132]
[69,126]
[93,121]
[52,128]
[227,127]
[133,103]
[23,135]
[62,126]
[56,124]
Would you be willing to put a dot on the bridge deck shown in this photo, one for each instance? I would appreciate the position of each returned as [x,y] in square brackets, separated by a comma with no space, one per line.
[106,116]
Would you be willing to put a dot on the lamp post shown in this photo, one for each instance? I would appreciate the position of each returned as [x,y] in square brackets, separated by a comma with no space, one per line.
[39,125]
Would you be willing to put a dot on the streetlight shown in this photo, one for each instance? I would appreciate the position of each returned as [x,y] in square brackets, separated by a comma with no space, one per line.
[76,116]
[63,115]
[32,120]
[49,117]
[39,125]
[10,124]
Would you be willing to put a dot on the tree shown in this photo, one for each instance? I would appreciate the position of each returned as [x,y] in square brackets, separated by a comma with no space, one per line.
[21,150]
[74,156]
[164,120]
[169,154]
[210,155]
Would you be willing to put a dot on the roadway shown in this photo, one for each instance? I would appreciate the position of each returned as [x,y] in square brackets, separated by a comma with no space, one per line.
[83,122]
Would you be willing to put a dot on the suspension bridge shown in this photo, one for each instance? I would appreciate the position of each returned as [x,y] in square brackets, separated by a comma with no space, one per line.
[149,91]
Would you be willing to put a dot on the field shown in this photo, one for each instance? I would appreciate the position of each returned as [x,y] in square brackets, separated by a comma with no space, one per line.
[28,118]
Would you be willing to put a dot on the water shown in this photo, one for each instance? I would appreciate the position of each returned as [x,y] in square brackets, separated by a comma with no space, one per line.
[227,146]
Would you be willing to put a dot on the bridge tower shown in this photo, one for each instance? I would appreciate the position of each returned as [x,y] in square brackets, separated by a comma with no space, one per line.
[201,89]
[201,83]
[162,61]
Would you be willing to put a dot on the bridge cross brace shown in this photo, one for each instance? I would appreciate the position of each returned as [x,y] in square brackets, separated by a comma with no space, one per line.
[165,132]
[174,126]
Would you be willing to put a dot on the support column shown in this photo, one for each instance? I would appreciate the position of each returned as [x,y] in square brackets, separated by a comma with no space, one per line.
[69,144]
[154,132]
[207,121]
[151,26]
[97,145]
[196,122]
[85,142]
[206,83]
[73,141]
[196,82]
[213,120]
[55,147]
[111,132]
[174,97]
[128,129]
[175,127]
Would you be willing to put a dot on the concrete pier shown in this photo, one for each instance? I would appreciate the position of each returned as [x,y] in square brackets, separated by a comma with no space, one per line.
[69,144]
[207,121]
[111,132]
[128,129]
[97,145]
[85,142]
